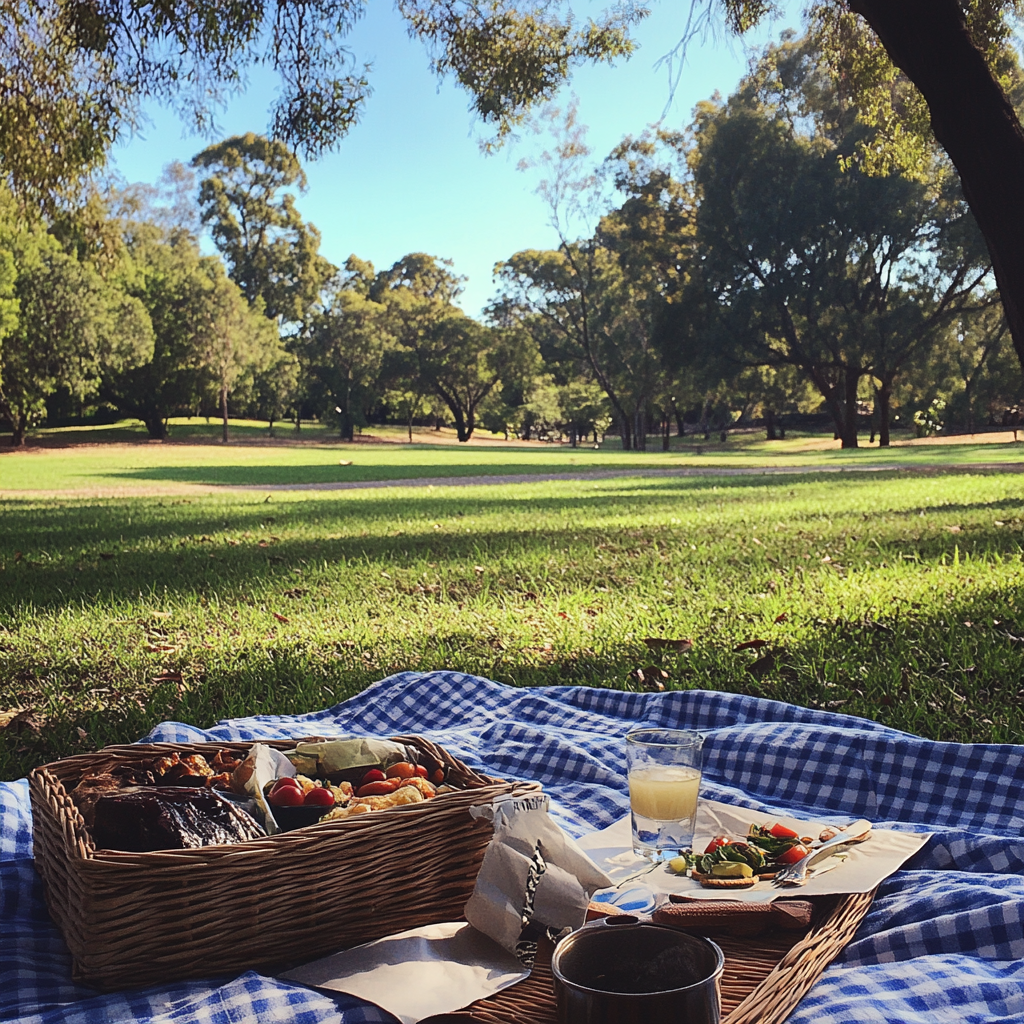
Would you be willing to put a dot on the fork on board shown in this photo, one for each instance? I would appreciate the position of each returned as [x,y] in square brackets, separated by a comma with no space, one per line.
[796,874]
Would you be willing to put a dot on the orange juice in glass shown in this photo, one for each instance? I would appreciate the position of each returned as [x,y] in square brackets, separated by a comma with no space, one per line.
[664,781]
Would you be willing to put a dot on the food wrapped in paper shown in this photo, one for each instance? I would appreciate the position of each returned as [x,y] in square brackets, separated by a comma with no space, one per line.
[532,873]
[348,757]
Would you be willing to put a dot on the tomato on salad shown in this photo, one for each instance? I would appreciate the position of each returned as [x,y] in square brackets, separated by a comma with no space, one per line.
[716,843]
[796,852]
[781,832]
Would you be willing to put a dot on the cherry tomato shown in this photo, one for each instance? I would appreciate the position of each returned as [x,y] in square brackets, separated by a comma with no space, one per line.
[792,855]
[379,788]
[438,777]
[286,783]
[373,775]
[402,770]
[286,796]
[421,771]
[716,843]
[319,797]
[781,832]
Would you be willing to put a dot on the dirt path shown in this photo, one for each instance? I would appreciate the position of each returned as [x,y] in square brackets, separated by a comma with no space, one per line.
[607,474]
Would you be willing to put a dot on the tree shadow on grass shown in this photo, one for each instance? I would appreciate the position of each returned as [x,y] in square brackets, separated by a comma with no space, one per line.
[58,554]
[929,674]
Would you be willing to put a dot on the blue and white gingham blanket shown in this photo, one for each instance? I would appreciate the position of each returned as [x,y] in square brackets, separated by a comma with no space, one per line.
[944,940]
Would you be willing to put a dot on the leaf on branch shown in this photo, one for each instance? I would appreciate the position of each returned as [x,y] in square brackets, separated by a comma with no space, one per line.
[751,645]
[662,643]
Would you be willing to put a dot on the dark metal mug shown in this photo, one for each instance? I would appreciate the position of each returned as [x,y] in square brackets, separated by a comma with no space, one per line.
[620,970]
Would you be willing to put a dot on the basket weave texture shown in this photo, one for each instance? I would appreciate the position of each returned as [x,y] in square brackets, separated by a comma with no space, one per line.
[763,980]
[134,919]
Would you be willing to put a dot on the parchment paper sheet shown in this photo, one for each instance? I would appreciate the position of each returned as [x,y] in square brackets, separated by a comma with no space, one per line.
[864,867]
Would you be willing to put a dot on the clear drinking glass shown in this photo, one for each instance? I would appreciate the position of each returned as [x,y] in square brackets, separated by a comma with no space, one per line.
[664,780]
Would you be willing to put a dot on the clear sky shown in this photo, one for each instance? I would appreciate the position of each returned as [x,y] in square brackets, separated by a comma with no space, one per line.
[411,178]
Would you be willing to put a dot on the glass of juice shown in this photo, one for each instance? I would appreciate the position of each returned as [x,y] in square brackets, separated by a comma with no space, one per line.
[664,779]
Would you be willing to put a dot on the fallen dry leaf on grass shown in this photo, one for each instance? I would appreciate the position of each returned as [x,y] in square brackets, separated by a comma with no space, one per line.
[663,643]
[27,721]
[280,618]
[168,677]
[751,645]
[650,678]
[782,618]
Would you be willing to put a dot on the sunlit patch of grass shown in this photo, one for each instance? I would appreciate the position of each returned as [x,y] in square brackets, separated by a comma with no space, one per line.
[889,597]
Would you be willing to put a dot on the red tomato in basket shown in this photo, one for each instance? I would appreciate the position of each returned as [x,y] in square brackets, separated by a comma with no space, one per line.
[318,797]
[781,832]
[286,796]
[402,770]
[421,771]
[792,855]
[287,780]
[379,788]
[373,775]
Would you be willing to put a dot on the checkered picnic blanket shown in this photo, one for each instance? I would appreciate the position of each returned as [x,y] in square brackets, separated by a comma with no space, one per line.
[944,940]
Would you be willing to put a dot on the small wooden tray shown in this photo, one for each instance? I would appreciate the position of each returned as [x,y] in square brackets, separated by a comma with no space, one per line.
[763,981]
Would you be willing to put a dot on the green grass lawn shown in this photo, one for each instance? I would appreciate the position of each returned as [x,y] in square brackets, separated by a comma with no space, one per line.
[138,465]
[891,596]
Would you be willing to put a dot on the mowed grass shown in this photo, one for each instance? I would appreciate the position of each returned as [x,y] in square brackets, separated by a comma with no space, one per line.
[888,596]
[199,460]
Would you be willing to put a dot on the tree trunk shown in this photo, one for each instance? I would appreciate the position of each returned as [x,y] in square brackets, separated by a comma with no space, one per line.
[19,425]
[973,121]
[626,433]
[849,426]
[409,424]
[882,397]
[271,431]
[970,406]
[769,424]
[666,431]
[680,426]
[156,427]
[572,435]
[224,412]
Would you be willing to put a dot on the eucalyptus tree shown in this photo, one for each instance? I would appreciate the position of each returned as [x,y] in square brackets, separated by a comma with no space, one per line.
[271,252]
[811,262]
[343,346]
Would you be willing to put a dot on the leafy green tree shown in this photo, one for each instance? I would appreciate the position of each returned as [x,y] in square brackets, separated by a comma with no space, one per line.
[464,361]
[275,387]
[271,253]
[174,284]
[892,264]
[239,342]
[71,326]
[344,345]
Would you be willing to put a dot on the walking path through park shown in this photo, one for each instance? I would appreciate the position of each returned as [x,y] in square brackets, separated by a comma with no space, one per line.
[605,474]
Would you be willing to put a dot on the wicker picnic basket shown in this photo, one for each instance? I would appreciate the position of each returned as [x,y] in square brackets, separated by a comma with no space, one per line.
[139,918]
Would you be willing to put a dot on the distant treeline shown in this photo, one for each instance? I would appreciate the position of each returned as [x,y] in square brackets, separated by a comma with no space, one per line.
[750,267]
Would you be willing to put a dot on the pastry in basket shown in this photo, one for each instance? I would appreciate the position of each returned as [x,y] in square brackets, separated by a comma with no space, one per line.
[141,819]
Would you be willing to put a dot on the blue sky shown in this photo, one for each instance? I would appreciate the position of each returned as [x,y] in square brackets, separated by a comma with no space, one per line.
[411,178]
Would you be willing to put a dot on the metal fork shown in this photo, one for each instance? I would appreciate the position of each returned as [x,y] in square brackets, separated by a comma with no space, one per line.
[796,874]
